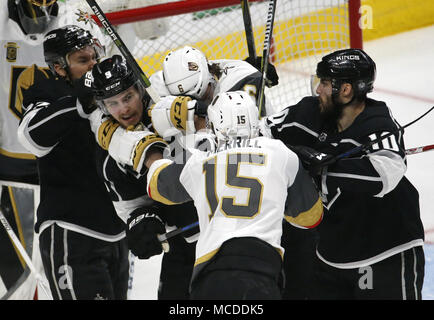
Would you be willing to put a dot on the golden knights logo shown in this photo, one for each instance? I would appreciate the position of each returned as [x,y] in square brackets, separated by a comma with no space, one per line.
[84,16]
[192,66]
[11,51]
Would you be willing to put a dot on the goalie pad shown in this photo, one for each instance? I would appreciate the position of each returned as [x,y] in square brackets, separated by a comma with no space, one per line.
[173,115]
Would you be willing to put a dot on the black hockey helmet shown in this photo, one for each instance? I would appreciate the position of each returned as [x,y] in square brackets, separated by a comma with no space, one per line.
[111,77]
[60,42]
[352,66]
[36,15]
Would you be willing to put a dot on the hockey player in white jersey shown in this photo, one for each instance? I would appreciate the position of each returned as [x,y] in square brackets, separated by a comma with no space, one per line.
[23,24]
[188,79]
[242,191]
[187,72]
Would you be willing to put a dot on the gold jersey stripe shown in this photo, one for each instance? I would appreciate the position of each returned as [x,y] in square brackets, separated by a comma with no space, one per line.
[142,145]
[153,187]
[206,257]
[309,218]
[105,133]
[15,155]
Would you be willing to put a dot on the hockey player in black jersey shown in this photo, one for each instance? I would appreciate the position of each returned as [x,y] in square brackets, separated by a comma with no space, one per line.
[123,100]
[371,238]
[82,240]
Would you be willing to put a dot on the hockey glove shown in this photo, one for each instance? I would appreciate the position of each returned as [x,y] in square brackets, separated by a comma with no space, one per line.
[126,146]
[312,160]
[142,230]
[130,147]
[272,77]
[172,115]
[82,90]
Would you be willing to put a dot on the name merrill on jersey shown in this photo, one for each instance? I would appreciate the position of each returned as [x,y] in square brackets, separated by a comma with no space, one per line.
[239,142]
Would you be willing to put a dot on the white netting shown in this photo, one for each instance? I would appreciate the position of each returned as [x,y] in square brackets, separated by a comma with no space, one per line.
[303,31]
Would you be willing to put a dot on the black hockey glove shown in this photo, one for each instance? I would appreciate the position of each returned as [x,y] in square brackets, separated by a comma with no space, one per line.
[142,229]
[272,77]
[312,160]
[82,90]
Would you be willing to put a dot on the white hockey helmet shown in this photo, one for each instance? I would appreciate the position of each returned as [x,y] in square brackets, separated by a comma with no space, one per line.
[186,72]
[233,114]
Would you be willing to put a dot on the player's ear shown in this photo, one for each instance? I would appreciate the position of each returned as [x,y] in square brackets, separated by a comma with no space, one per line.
[60,70]
[346,89]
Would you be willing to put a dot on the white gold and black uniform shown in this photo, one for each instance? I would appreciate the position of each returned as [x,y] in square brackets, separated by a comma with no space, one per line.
[371,208]
[81,236]
[241,192]
[234,75]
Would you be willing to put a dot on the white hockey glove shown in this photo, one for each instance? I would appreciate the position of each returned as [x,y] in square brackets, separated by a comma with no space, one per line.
[173,115]
[103,126]
[126,146]
[130,147]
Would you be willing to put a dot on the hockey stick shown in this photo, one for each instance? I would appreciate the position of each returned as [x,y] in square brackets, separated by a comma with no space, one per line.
[250,38]
[124,50]
[365,146]
[419,149]
[265,56]
[168,235]
[24,255]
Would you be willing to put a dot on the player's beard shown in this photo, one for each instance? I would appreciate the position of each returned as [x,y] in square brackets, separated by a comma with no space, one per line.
[330,112]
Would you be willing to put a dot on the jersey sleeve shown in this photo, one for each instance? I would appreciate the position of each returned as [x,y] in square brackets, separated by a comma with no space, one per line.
[163,182]
[376,173]
[51,112]
[157,82]
[293,124]
[379,169]
[303,207]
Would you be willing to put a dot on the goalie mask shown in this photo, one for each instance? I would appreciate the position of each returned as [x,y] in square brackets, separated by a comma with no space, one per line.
[233,114]
[36,15]
[111,77]
[185,72]
[61,42]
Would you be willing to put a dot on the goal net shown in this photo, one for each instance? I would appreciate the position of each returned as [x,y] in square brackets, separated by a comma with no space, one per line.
[304,30]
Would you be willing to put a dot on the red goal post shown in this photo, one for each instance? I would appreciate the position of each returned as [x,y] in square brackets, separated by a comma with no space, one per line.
[304,30]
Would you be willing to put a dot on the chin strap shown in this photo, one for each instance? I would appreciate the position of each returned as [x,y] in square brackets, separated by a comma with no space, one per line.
[336,85]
